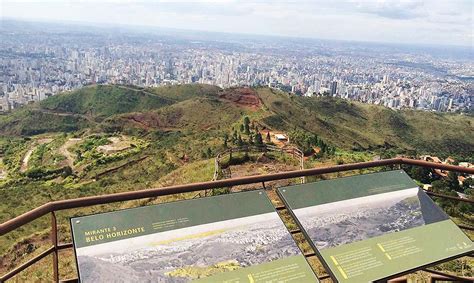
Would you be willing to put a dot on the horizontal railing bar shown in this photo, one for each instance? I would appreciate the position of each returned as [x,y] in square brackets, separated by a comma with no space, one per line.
[449,197]
[126,196]
[462,279]
[442,166]
[70,280]
[465,227]
[186,188]
[25,218]
[96,200]
[27,264]
[64,246]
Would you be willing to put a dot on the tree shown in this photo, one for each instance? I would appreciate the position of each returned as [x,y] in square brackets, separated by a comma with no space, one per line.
[234,137]
[323,147]
[246,125]
[421,174]
[268,138]
[246,120]
[447,205]
[240,142]
[467,185]
[209,152]
[452,182]
[258,139]
[242,127]
[251,139]
[226,139]
[246,130]
[438,186]
[466,208]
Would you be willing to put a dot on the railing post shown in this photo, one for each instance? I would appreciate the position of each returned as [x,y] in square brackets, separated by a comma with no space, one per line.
[54,240]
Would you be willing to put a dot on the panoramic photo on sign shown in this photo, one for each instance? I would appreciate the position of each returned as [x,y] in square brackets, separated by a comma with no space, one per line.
[230,238]
[374,226]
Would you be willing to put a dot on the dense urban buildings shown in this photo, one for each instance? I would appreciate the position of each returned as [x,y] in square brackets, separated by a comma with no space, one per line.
[40,60]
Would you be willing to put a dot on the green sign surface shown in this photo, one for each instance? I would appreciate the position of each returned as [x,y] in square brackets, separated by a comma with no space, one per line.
[230,238]
[374,226]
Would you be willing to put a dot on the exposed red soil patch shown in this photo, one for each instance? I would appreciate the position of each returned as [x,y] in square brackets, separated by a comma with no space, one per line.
[151,120]
[246,97]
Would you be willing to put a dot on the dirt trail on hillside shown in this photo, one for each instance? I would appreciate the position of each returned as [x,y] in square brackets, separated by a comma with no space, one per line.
[67,114]
[66,153]
[26,158]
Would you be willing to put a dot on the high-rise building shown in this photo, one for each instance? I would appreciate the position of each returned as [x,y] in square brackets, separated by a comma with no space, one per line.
[450,105]
[333,88]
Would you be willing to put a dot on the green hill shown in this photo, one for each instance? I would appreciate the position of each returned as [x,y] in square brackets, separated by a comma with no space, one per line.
[358,126]
[170,135]
[31,121]
[103,101]
[89,106]
[348,125]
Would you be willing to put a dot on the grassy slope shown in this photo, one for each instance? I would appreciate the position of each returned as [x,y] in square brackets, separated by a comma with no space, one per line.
[28,121]
[84,108]
[192,132]
[104,101]
[348,125]
[353,125]
[184,92]
[198,114]
[189,119]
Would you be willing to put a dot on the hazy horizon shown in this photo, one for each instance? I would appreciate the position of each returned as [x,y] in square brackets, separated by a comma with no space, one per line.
[199,33]
[413,22]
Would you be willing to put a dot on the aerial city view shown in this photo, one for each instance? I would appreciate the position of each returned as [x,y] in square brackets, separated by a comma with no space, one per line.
[110,105]
[42,60]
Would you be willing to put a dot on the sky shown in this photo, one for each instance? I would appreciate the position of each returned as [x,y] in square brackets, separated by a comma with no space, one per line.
[434,22]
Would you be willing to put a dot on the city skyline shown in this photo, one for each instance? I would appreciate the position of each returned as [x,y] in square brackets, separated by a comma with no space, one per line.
[39,60]
[402,22]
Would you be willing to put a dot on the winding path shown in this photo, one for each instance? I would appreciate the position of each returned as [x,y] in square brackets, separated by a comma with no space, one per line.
[66,153]
[26,158]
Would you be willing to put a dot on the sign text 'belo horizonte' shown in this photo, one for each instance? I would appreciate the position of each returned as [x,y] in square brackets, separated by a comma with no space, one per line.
[230,238]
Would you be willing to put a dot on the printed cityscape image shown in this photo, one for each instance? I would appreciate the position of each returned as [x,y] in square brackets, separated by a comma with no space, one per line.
[189,253]
[343,222]
[110,105]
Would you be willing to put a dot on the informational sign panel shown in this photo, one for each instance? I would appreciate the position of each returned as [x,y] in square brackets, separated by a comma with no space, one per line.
[229,238]
[371,227]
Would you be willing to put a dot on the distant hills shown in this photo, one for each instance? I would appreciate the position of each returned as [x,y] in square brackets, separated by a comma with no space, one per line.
[349,125]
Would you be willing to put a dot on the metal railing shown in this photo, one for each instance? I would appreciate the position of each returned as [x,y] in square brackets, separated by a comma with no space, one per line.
[54,206]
